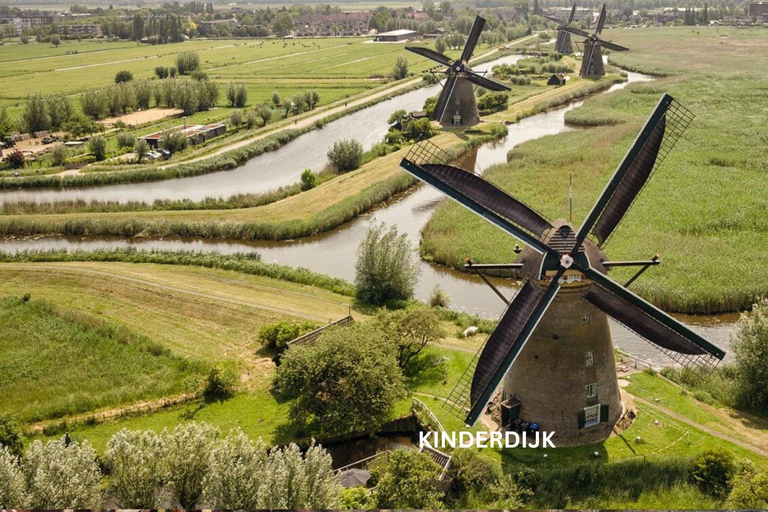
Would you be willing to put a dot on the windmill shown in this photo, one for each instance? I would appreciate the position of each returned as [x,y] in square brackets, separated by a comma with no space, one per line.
[563,45]
[552,347]
[592,58]
[456,104]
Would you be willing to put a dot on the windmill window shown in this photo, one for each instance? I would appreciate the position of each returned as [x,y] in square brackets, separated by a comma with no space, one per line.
[591,390]
[585,318]
[590,359]
[592,415]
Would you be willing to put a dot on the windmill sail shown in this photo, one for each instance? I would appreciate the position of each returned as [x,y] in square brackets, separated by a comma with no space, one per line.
[430,54]
[472,39]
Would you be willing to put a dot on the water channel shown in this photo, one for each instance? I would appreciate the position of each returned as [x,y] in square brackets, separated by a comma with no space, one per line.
[334,253]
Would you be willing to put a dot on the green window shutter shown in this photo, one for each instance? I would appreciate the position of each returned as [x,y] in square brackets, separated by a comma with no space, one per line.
[581,419]
[603,413]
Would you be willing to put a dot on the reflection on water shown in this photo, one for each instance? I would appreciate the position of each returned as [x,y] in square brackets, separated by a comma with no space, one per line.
[334,253]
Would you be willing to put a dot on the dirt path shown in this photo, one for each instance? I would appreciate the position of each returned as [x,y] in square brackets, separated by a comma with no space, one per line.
[174,289]
[699,426]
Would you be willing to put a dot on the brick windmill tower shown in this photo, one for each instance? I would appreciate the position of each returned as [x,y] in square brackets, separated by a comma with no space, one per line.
[592,58]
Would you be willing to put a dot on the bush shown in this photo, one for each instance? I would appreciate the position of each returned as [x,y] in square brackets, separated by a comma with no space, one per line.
[751,347]
[237,94]
[59,154]
[236,118]
[308,179]
[123,76]
[407,481]
[419,129]
[492,102]
[162,72]
[141,148]
[346,155]
[187,62]
[125,140]
[13,492]
[220,384]
[98,147]
[439,298]
[252,119]
[385,269]
[712,472]
[400,70]
[198,75]
[10,435]
[275,336]
[137,468]
[174,141]
[357,498]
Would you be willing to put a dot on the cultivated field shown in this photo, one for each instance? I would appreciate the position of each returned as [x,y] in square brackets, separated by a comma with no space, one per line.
[704,211]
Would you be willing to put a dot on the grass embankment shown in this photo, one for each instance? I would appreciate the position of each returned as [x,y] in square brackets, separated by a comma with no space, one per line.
[705,208]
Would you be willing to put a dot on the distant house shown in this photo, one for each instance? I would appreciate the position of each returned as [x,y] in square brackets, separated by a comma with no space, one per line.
[395,35]
[557,79]
[438,32]
[196,134]
[338,24]
[758,9]
[79,30]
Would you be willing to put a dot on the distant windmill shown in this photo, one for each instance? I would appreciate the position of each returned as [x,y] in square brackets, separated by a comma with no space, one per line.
[563,45]
[592,58]
[552,348]
[456,104]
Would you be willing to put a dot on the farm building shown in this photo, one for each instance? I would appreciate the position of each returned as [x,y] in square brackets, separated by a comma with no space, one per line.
[556,79]
[195,134]
[395,35]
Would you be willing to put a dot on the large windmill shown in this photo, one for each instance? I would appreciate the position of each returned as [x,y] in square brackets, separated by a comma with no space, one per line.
[592,58]
[456,104]
[553,342]
[563,45]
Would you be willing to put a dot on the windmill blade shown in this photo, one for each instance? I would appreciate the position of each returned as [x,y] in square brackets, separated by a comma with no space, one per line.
[613,46]
[474,36]
[572,16]
[430,54]
[575,31]
[663,128]
[491,85]
[477,195]
[600,21]
[445,96]
[477,385]
[666,333]
[554,19]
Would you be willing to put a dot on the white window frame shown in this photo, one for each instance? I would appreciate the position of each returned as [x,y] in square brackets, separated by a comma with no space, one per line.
[590,359]
[591,387]
[586,318]
[591,415]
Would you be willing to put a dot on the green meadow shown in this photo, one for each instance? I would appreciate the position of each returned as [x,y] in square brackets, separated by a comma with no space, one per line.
[704,211]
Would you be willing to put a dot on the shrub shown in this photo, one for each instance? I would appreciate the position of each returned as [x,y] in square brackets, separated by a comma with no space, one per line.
[162,72]
[308,179]
[276,99]
[346,155]
[407,481]
[712,471]
[137,468]
[123,76]
[189,455]
[276,335]
[141,148]
[198,75]
[98,147]
[220,384]
[419,129]
[252,119]
[492,102]
[13,492]
[385,269]
[439,298]
[400,70]
[174,141]
[237,94]
[187,62]
[125,140]
[59,154]
[10,435]
[751,347]
[236,118]
[357,498]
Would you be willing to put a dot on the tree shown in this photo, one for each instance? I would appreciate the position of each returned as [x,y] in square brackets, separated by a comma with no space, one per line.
[400,70]
[346,155]
[750,344]
[252,119]
[385,269]
[274,336]
[397,117]
[750,490]
[264,112]
[6,124]
[440,45]
[347,382]
[13,492]
[174,141]
[712,472]
[276,99]
[288,106]
[16,159]
[220,384]
[141,149]
[162,72]
[237,471]
[283,25]
[237,94]
[137,464]
[36,116]
[406,481]
[10,435]
[59,154]
[187,62]
[125,139]
[189,454]
[123,76]
[55,40]
[419,129]
[62,474]
[79,125]
[296,482]
[98,147]
[410,330]
[308,179]
[357,498]
[236,118]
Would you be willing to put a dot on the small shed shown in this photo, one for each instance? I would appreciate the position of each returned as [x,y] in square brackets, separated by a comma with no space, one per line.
[557,79]
[395,35]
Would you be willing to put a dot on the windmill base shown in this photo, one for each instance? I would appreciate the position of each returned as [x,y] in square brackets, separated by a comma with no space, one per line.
[592,60]
[563,46]
[462,106]
[565,377]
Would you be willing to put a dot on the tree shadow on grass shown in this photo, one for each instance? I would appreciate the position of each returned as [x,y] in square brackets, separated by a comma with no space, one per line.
[426,369]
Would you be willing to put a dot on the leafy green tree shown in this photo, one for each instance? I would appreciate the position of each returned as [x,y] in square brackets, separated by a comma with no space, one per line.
[98,147]
[220,384]
[712,471]
[189,456]
[13,493]
[237,94]
[276,335]
[55,40]
[397,117]
[125,139]
[143,92]
[79,125]
[357,498]
[750,344]
[174,141]
[123,76]
[59,154]
[61,474]
[94,104]
[750,490]
[10,435]
[346,155]
[283,25]
[400,70]
[237,473]
[137,467]
[141,149]
[36,116]
[7,126]
[264,112]
[440,45]
[276,99]
[410,330]
[59,108]
[252,119]
[419,129]
[296,482]
[308,179]
[386,269]
[236,118]
[187,62]
[407,481]
[162,72]
[347,382]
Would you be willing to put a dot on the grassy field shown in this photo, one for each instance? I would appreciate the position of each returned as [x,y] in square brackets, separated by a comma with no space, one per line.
[705,208]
